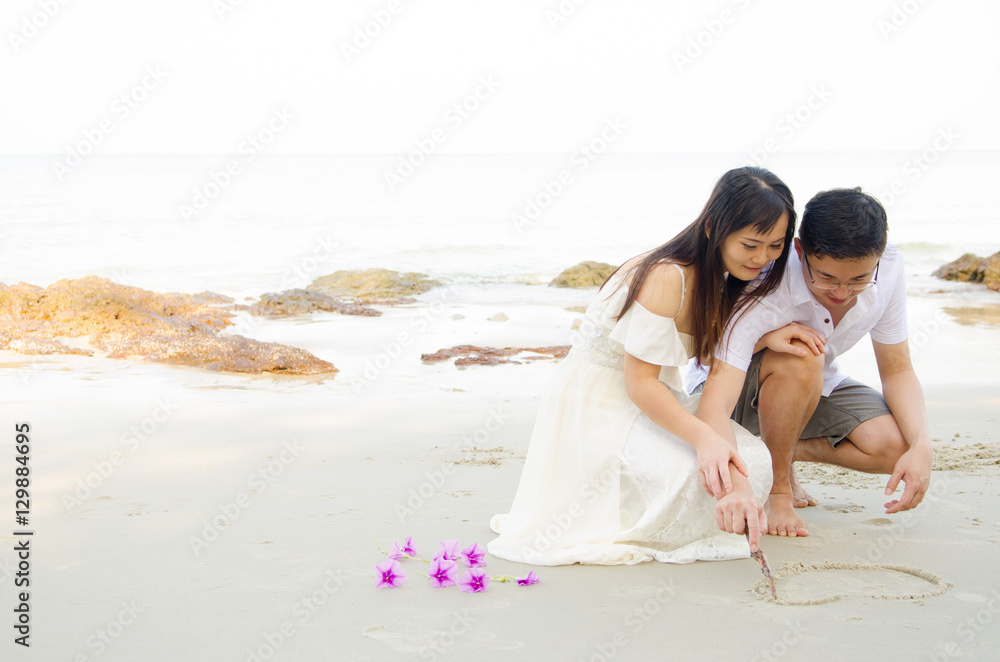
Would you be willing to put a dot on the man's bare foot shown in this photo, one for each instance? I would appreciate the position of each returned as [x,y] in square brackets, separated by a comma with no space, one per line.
[800,498]
[781,517]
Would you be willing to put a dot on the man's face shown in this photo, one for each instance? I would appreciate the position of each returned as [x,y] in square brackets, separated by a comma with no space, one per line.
[821,273]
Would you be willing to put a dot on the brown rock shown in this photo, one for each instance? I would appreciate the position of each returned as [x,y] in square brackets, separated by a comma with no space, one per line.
[129,321]
[991,272]
[375,286]
[302,302]
[221,352]
[967,269]
[466,355]
[585,274]
[30,345]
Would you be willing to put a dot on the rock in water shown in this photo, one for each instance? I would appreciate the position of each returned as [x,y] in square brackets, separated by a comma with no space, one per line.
[967,269]
[303,302]
[466,355]
[222,352]
[132,322]
[973,269]
[585,274]
[991,272]
[377,286]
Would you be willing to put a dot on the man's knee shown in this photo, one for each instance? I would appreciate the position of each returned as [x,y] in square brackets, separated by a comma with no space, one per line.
[804,371]
[880,437]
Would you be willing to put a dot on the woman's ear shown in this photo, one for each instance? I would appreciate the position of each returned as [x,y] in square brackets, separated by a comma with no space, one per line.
[708,229]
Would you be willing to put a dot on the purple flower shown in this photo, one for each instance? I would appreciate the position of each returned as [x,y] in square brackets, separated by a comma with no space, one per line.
[473,555]
[442,573]
[448,551]
[528,579]
[390,574]
[396,553]
[474,580]
[408,547]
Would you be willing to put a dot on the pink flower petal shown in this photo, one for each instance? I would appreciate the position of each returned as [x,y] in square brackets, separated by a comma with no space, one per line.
[442,573]
[473,556]
[390,574]
[448,550]
[528,579]
[474,580]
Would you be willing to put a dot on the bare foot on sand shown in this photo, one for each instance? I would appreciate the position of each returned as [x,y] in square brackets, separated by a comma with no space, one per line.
[781,517]
[800,498]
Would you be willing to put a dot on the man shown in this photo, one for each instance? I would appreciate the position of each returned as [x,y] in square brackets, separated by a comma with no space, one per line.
[777,375]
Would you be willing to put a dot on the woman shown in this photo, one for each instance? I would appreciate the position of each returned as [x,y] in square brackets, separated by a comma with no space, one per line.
[619,469]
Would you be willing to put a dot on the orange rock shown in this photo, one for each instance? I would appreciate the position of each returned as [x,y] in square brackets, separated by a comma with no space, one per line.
[466,355]
[303,302]
[130,321]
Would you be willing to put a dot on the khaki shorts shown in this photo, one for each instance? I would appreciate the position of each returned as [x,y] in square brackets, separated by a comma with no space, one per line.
[851,404]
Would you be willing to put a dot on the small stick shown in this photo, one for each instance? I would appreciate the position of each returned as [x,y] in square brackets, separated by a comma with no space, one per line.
[760,558]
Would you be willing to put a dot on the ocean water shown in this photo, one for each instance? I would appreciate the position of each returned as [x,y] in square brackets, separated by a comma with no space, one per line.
[487,223]
[281,222]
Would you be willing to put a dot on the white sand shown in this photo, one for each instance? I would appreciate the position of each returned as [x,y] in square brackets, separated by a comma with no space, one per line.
[293,569]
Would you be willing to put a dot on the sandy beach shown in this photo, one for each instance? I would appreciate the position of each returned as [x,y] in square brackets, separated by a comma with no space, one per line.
[183,514]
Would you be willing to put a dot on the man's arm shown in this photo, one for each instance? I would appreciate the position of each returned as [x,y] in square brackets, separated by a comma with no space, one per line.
[902,392]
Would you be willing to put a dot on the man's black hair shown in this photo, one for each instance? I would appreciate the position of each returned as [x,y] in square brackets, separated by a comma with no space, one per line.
[845,224]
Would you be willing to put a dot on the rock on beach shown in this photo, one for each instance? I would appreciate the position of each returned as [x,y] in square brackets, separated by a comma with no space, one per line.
[135,323]
[585,274]
[973,269]
[302,302]
[374,286]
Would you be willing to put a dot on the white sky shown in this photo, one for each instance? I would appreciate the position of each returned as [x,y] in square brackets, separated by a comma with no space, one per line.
[610,58]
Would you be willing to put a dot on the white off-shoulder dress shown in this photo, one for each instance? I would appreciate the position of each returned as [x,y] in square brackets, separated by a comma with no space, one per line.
[603,484]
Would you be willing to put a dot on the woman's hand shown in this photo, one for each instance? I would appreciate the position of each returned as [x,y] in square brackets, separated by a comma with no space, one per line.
[781,340]
[742,512]
[714,456]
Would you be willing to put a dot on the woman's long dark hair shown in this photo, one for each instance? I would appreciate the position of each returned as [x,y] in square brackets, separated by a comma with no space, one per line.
[743,197]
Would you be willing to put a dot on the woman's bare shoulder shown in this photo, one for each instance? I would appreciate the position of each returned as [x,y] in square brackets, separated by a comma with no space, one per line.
[663,290]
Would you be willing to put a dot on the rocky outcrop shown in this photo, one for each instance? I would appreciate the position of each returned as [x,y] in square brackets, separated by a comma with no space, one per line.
[374,286]
[585,274]
[135,323]
[220,352]
[303,302]
[466,355]
[973,269]
[991,272]
[39,346]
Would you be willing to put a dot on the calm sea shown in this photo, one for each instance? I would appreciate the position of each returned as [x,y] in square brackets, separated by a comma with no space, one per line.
[246,226]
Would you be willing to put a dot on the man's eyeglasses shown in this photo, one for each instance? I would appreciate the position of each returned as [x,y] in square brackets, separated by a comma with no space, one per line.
[827,285]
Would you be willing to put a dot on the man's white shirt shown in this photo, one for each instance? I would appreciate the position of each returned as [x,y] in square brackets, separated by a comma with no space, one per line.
[879,310]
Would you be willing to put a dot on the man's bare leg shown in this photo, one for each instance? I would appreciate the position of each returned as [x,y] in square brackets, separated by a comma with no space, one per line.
[872,447]
[790,388]
[800,498]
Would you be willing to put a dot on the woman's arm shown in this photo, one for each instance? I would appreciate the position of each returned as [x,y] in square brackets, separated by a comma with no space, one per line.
[655,400]
[661,294]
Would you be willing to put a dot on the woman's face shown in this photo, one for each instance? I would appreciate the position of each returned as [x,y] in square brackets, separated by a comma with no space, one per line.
[746,252]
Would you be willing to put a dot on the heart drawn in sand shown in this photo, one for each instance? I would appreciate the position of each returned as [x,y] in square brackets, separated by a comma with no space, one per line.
[818,583]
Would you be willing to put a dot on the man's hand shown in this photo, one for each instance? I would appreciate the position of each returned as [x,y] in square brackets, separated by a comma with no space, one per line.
[914,468]
[781,340]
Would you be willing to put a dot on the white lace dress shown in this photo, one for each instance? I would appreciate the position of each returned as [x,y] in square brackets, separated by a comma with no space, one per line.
[602,484]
